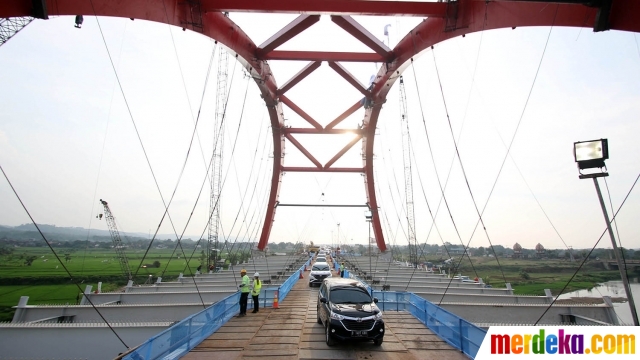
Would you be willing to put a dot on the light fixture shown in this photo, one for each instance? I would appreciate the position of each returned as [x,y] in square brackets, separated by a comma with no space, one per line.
[368,215]
[79,21]
[591,154]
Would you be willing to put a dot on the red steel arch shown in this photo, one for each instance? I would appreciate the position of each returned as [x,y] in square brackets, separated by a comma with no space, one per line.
[444,21]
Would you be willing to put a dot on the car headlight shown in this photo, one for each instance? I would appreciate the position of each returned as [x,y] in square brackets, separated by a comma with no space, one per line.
[336,316]
[378,316]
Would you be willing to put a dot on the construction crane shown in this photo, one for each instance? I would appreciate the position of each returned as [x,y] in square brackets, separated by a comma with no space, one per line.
[11,26]
[213,250]
[117,241]
[408,179]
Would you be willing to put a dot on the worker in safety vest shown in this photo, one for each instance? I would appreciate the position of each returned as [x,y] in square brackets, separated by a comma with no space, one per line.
[244,292]
[342,270]
[255,292]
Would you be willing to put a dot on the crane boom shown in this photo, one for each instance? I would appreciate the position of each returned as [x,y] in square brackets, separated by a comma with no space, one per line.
[408,178]
[117,241]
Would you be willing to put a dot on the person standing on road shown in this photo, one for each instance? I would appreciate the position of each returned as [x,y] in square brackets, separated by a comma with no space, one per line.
[244,292]
[255,293]
[342,269]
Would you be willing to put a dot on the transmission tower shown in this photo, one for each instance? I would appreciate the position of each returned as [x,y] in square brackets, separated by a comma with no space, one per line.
[213,244]
[408,182]
[11,26]
[117,241]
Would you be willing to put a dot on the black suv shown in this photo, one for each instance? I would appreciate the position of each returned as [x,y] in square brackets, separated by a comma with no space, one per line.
[348,312]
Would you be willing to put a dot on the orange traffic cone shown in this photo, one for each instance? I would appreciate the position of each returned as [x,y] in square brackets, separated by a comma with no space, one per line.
[275,300]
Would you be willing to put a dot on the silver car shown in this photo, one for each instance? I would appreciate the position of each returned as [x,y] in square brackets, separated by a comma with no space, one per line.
[319,272]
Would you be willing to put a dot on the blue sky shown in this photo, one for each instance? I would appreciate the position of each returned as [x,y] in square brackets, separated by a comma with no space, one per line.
[61,106]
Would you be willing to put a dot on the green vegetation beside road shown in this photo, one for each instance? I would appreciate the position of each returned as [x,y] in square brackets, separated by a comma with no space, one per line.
[532,276]
[35,272]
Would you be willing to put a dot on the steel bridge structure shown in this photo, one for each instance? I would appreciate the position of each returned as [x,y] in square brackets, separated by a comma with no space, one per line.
[442,20]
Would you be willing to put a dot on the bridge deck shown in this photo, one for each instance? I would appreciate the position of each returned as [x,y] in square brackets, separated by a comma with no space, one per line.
[291,332]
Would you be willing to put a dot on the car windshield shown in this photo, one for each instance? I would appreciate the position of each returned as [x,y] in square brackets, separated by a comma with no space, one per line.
[350,296]
[321,259]
[320,268]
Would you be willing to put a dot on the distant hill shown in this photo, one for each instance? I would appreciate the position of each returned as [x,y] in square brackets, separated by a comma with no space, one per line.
[29,231]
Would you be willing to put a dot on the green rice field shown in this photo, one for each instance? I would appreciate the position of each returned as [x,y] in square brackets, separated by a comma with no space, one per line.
[46,282]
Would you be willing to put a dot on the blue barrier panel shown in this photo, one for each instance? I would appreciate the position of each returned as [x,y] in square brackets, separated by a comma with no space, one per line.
[288,284]
[183,336]
[456,331]
[186,334]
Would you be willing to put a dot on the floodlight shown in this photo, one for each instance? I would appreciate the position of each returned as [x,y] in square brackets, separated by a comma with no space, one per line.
[79,21]
[591,154]
[368,215]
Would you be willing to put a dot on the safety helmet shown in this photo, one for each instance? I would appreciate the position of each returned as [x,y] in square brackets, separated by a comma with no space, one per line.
[243,271]
[256,275]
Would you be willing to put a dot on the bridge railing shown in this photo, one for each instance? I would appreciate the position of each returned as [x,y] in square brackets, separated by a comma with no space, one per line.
[453,329]
[185,335]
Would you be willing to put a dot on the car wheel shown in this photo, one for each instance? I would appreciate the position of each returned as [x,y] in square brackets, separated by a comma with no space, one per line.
[327,334]
[310,285]
[377,342]
[318,320]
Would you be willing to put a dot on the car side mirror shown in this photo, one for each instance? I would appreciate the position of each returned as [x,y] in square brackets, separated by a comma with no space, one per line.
[375,300]
[323,300]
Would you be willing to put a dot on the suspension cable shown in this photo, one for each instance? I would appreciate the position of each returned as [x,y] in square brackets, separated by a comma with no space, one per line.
[204,90]
[257,180]
[104,142]
[255,152]
[247,227]
[184,84]
[615,224]
[519,172]
[514,134]
[393,243]
[232,156]
[464,173]
[444,198]
[464,118]
[399,221]
[184,165]
[140,140]
[224,113]
[433,224]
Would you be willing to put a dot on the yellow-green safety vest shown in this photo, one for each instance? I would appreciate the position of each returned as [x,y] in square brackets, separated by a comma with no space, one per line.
[257,286]
[245,284]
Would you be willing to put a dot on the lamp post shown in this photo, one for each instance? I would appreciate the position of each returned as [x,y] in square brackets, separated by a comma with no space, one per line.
[590,155]
[338,239]
[369,216]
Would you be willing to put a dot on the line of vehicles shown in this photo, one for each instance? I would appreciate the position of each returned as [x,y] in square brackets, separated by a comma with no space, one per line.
[345,308]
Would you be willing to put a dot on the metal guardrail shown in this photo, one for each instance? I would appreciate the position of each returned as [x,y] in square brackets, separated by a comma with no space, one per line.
[182,337]
[453,329]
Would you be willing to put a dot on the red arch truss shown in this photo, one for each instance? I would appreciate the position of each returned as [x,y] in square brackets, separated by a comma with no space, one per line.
[444,20]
